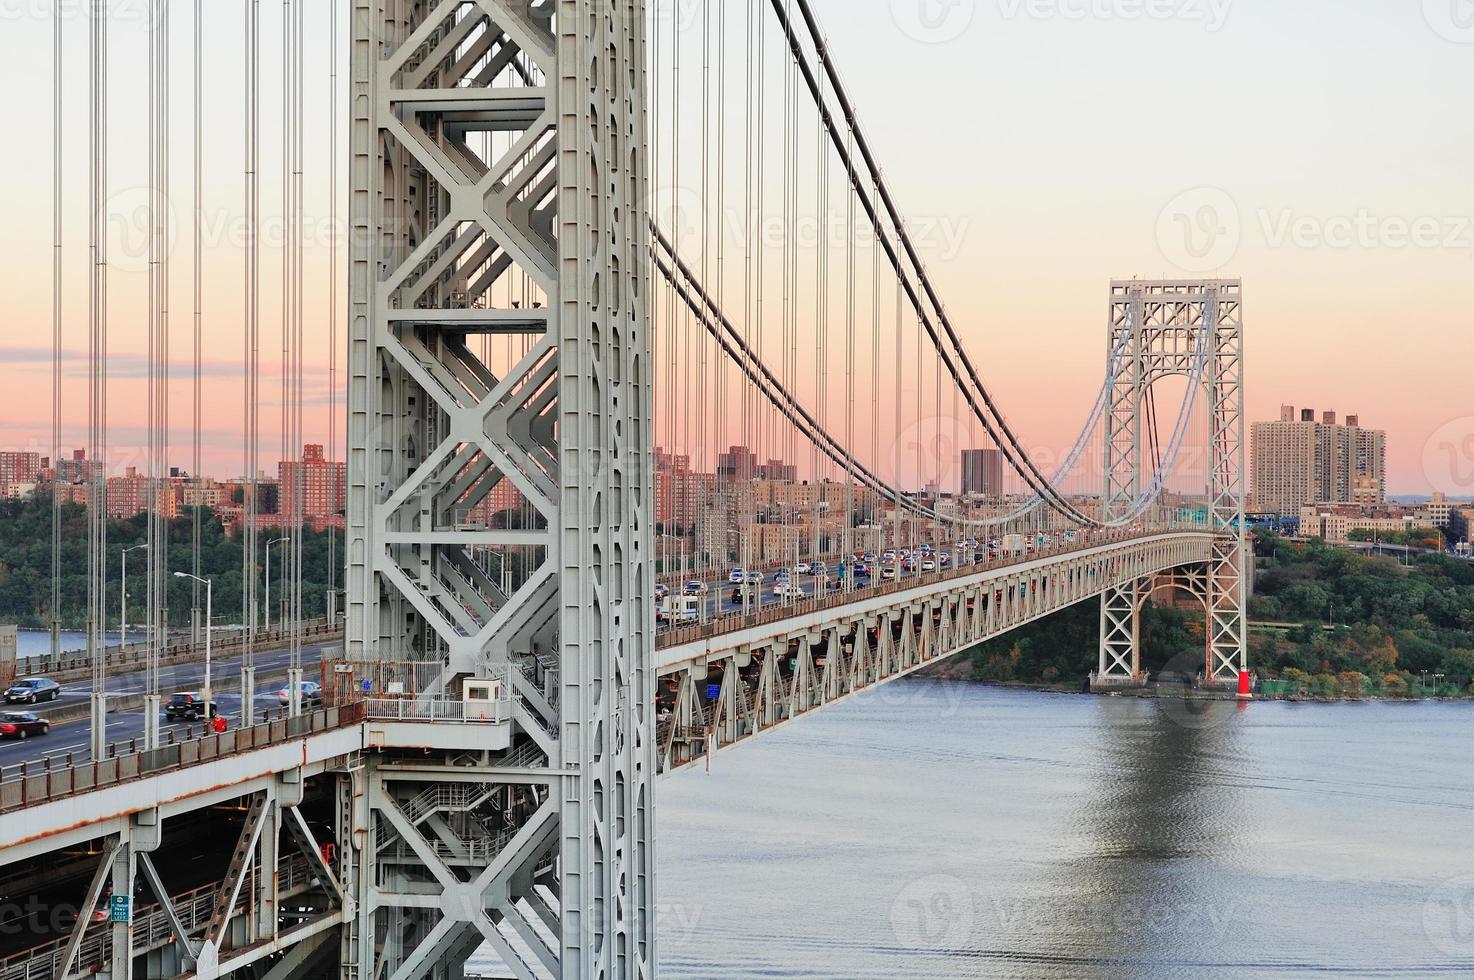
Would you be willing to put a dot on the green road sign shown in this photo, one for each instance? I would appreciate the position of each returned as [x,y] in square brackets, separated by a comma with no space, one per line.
[120,908]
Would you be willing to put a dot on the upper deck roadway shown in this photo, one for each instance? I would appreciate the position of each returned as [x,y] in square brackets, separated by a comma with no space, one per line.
[1023,588]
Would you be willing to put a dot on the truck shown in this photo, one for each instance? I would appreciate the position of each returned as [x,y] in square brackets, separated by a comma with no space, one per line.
[1013,544]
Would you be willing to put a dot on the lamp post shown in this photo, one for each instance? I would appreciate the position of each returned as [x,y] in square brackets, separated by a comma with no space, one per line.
[266,610]
[209,595]
[123,614]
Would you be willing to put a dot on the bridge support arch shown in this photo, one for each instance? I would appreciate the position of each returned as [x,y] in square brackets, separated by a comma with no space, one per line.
[1192,329]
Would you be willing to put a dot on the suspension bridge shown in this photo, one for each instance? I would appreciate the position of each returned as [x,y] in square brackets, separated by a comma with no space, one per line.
[644,377]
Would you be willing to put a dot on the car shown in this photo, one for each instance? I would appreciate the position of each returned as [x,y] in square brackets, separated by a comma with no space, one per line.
[311,694]
[22,724]
[818,568]
[753,578]
[887,573]
[781,575]
[787,590]
[188,706]
[33,690]
[869,558]
[802,568]
[694,587]
[661,591]
[927,565]
[736,576]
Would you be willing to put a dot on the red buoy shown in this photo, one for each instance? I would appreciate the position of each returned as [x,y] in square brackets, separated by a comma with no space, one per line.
[1245,690]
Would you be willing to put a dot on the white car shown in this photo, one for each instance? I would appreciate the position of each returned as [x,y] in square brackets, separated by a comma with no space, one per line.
[802,568]
[927,565]
[787,590]
[736,576]
[311,694]
[888,573]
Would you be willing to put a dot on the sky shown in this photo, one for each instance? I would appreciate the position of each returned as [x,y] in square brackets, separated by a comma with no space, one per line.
[1320,150]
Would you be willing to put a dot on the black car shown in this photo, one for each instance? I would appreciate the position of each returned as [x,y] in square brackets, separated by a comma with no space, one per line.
[33,690]
[188,706]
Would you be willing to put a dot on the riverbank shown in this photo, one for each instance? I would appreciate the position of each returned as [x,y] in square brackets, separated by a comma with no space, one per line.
[961,669]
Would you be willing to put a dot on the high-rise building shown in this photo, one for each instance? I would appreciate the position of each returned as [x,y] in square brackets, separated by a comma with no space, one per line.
[982,472]
[318,483]
[1299,460]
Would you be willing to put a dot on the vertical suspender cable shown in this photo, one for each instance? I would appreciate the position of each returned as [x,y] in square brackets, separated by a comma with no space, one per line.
[56,339]
[252,353]
[196,529]
[97,377]
[298,485]
[158,372]
[332,129]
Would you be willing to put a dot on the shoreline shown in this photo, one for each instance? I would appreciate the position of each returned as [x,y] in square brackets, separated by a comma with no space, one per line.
[1175,692]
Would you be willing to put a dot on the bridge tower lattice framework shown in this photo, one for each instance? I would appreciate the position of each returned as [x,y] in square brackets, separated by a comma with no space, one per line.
[502,141]
[1158,329]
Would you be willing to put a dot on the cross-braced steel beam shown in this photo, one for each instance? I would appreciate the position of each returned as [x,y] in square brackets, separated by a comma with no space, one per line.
[1192,329]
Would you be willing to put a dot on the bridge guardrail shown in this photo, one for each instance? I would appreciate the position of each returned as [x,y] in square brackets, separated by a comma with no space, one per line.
[436,710]
[28,784]
[676,636]
[152,928]
[75,665]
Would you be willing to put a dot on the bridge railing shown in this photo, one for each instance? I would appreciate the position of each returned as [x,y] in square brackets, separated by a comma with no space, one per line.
[436,710]
[730,622]
[30,783]
[152,928]
[74,664]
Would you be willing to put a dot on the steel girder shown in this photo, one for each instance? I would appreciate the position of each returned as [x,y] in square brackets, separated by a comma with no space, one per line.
[1156,330]
[498,197]
[770,674]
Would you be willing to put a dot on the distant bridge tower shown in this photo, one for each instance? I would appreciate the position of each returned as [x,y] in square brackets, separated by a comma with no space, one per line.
[498,180]
[1156,330]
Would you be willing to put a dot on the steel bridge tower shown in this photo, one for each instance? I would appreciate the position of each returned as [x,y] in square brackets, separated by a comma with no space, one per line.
[498,151]
[1157,330]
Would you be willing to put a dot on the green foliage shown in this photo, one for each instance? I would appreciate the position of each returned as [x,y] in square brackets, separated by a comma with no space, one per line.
[25,566]
[1367,626]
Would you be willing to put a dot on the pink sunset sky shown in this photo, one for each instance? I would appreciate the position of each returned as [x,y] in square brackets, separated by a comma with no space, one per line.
[1320,150]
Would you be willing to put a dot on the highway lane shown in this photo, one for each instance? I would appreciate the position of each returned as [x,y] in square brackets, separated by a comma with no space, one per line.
[183,677]
[75,737]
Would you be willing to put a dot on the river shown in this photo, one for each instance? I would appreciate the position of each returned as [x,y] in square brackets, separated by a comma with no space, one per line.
[941,830]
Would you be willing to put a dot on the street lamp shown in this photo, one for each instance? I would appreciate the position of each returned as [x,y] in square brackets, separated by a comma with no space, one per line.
[267,604]
[209,595]
[123,617]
